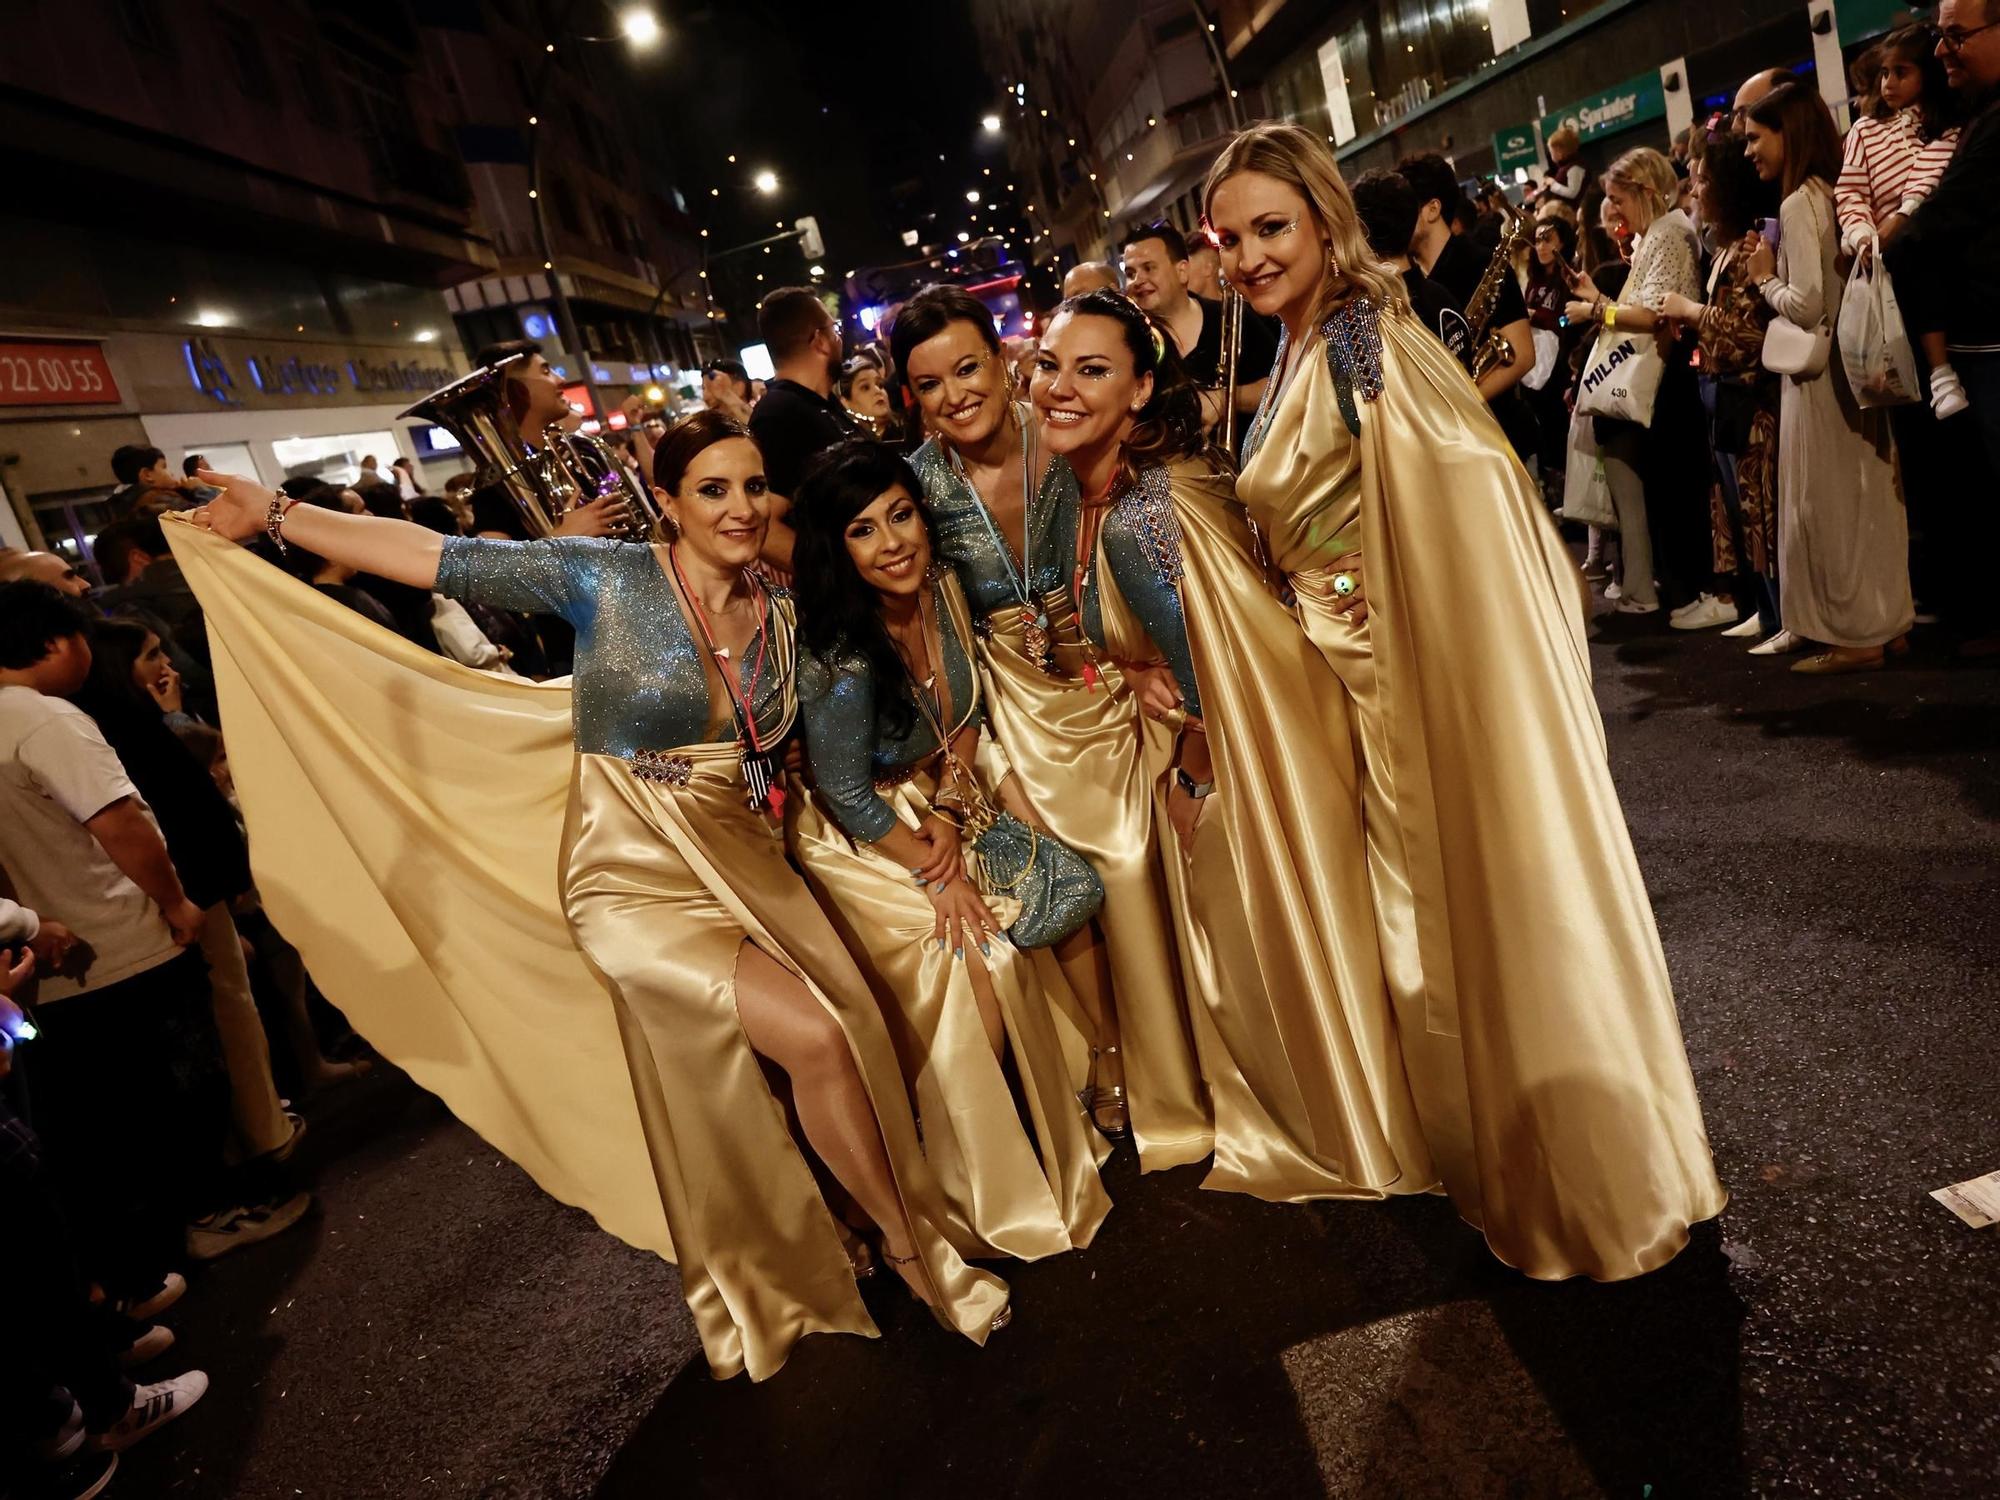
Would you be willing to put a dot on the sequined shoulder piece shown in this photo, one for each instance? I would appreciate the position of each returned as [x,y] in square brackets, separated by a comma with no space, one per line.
[1354,356]
[1146,511]
[934,472]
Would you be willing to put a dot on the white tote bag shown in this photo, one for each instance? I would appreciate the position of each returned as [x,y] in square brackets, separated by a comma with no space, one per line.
[1586,489]
[1622,378]
[1548,346]
[1874,349]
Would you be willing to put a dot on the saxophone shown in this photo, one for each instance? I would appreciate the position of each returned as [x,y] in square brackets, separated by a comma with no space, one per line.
[1491,351]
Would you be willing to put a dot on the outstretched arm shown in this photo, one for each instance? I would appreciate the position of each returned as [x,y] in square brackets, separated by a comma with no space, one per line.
[399,550]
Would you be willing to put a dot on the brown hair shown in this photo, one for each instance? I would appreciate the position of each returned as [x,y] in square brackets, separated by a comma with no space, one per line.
[1301,159]
[1805,124]
[690,436]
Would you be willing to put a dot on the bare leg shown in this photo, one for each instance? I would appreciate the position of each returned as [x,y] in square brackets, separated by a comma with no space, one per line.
[786,1024]
[1086,965]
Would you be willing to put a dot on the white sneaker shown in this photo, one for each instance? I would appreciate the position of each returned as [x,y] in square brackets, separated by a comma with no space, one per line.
[153,1406]
[1634,607]
[1704,614]
[233,1228]
[1781,644]
[1947,393]
[1613,591]
[147,1347]
[1749,629]
[172,1287]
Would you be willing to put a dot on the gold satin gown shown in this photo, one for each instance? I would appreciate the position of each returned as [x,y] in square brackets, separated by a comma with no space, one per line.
[1299,1047]
[540,920]
[1535,1016]
[1077,746]
[1022,1193]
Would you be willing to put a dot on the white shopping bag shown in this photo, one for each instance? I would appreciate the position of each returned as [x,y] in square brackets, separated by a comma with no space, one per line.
[1548,344]
[1622,378]
[1586,489]
[1874,349]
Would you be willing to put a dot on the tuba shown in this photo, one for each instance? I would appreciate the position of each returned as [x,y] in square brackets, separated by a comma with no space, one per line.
[562,471]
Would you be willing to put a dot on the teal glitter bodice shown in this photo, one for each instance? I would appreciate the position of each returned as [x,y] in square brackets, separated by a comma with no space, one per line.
[1140,543]
[984,572]
[639,681]
[853,741]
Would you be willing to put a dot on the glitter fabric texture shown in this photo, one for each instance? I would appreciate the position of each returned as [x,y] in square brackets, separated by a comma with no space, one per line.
[1141,545]
[855,745]
[1354,357]
[963,540]
[639,681]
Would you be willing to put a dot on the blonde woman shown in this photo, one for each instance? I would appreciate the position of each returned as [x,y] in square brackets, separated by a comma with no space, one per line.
[1658,472]
[1529,995]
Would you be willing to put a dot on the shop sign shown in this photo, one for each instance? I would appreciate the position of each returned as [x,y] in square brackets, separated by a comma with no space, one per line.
[1516,146]
[1633,102]
[311,375]
[45,374]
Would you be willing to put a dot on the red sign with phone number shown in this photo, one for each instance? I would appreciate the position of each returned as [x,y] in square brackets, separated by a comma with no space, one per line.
[55,375]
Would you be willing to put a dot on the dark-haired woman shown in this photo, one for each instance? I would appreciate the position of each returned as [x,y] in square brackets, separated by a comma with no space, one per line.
[131,688]
[1740,394]
[1843,542]
[1299,1046]
[1532,1007]
[907,784]
[462,899]
[1007,517]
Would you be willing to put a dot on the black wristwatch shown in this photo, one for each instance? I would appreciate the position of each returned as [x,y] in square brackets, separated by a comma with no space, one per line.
[1195,789]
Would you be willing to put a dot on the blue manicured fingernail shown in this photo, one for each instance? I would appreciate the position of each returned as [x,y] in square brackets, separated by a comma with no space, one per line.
[959,954]
[987,949]
[919,874]
[939,886]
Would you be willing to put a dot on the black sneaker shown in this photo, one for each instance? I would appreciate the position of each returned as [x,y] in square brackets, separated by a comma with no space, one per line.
[82,1477]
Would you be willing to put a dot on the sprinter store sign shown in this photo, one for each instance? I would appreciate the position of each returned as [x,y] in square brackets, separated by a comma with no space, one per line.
[1632,102]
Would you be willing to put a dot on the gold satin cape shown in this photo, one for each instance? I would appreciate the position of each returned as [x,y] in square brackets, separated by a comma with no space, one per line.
[1007,1195]
[1536,1019]
[430,840]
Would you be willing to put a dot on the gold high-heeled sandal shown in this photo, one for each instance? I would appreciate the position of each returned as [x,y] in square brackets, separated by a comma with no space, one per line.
[1095,1097]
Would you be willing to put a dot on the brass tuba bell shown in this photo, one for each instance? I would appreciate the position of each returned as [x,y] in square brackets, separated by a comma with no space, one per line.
[560,472]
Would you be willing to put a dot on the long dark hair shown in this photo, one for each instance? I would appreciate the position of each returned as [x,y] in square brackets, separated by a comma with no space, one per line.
[109,691]
[1170,425]
[1916,43]
[1565,233]
[839,613]
[930,313]
[1812,140]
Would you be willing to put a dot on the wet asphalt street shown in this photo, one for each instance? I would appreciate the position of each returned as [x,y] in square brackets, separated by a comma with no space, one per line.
[1822,857]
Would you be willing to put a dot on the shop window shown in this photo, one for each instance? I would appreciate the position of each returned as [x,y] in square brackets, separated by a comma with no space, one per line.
[335,459]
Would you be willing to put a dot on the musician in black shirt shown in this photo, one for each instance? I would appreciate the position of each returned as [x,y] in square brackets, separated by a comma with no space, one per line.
[1156,277]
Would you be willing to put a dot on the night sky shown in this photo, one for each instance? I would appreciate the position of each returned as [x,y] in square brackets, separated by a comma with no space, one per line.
[851,105]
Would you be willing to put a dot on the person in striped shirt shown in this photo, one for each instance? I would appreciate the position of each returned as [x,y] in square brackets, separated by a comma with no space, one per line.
[1892,161]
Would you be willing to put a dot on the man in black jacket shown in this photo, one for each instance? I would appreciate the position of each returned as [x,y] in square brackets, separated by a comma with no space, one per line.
[1946,267]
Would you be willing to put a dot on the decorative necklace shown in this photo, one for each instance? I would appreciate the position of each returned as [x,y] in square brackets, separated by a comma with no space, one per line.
[1035,641]
[760,767]
[958,798]
[1089,526]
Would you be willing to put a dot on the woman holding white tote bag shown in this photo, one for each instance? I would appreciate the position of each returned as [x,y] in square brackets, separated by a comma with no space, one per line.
[1843,544]
[1654,457]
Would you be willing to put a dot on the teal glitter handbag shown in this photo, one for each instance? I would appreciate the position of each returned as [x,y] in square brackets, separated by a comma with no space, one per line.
[1057,888]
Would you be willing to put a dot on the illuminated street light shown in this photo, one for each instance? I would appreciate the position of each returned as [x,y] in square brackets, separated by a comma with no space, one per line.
[640,26]
[972,195]
[765,181]
[963,238]
[991,124]
[817,270]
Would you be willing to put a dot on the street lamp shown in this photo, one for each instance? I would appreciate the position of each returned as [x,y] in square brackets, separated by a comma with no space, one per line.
[972,195]
[990,124]
[765,181]
[640,26]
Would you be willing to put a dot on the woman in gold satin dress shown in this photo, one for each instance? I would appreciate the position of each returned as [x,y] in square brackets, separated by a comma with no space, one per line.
[1006,511]
[1530,995]
[1299,1046]
[675,884]
[907,783]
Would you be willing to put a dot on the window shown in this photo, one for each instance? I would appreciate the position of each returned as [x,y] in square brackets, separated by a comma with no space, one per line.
[565,201]
[335,459]
[247,63]
[315,93]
